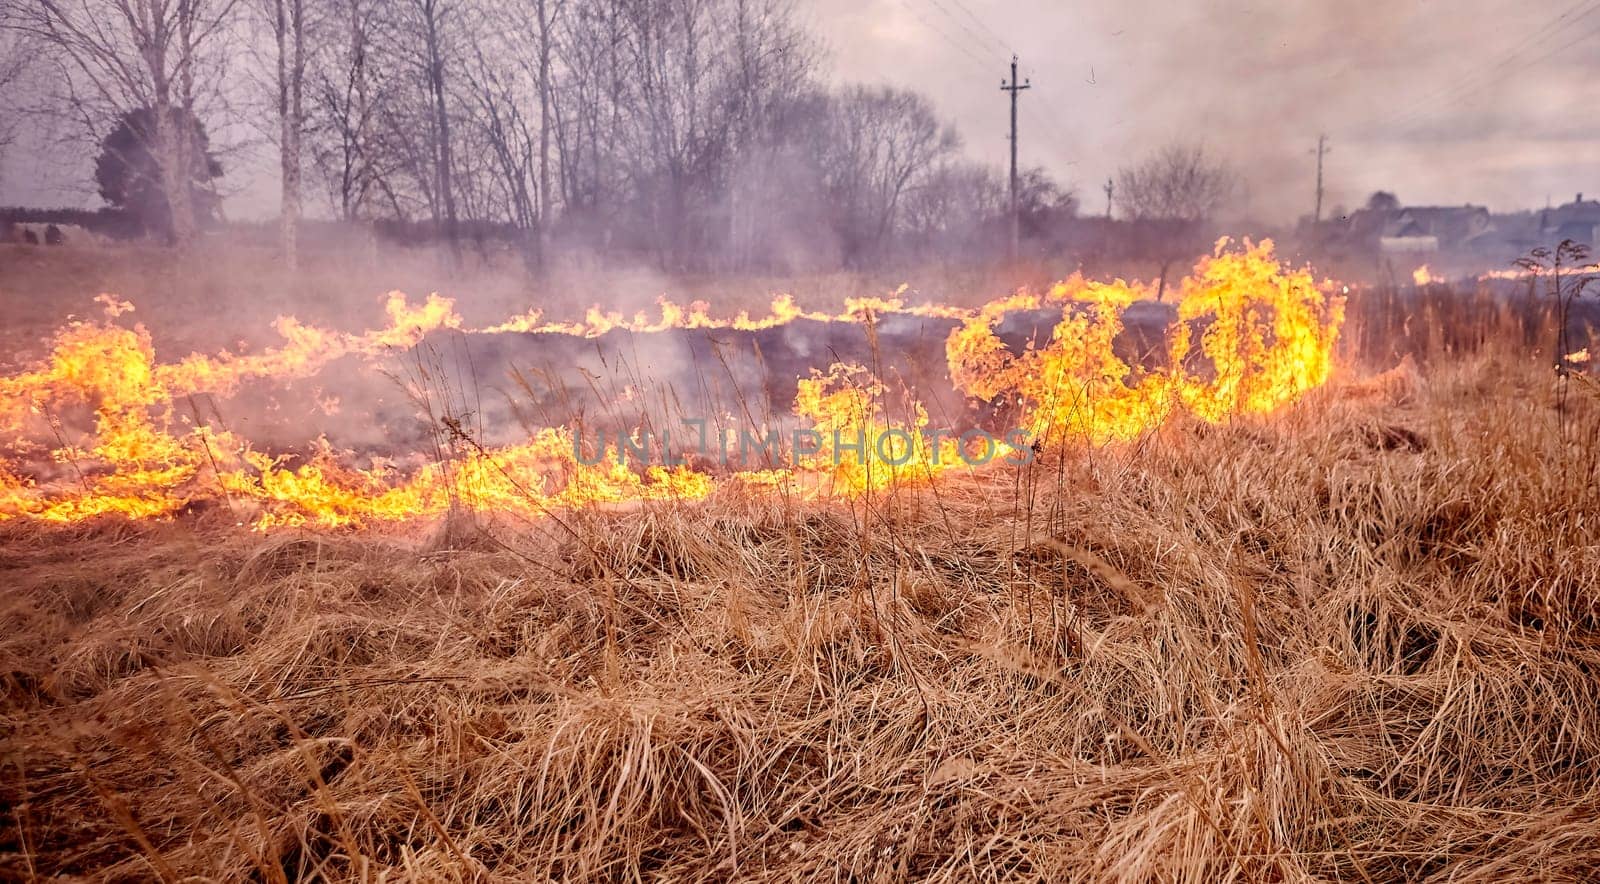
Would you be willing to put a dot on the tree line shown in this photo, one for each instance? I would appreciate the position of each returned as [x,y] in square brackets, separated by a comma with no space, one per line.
[692,134]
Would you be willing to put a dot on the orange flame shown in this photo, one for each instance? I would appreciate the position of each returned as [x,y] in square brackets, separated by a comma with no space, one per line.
[1265,336]
[1268,336]
[1519,274]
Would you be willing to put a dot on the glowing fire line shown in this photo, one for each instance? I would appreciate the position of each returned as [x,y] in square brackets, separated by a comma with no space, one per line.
[1266,336]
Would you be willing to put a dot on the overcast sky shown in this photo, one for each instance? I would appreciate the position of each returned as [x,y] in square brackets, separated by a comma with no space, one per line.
[1493,102]
[1442,101]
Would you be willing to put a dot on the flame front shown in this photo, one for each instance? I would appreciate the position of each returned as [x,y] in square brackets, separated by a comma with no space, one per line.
[1265,336]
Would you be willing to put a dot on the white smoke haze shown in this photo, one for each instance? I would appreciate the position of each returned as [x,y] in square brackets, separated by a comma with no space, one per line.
[833,150]
[1483,101]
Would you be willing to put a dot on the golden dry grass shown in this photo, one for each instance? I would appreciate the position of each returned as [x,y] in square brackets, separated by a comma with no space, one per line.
[1357,640]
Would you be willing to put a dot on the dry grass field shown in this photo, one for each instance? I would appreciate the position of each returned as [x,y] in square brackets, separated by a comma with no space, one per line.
[1356,639]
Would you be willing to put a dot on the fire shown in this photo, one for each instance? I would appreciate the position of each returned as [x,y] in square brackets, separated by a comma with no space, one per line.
[1518,274]
[104,427]
[859,445]
[1267,336]
[528,480]
[696,315]
[1423,276]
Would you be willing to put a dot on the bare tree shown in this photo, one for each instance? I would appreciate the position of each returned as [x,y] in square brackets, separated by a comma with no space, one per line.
[1168,196]
[772,98]
[407,61]
[655,116]
[496,100]
[117,56]
[953,205]
[432,18]
[679,120]
[587,111]
[510,79]
[880,141]
[16,51]
[1382,201]
[544,18]
[288,24]
[289,32]
[347,105]
[1176,183]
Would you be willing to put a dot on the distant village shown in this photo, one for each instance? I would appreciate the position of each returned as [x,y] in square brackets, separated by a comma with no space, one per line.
[1466,236]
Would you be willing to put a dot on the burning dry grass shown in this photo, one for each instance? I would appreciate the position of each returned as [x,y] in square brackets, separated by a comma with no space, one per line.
[100,426]
[1356,640]
[337,286]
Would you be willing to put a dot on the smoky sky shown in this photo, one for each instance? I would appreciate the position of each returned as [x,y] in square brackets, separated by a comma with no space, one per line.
[1493,102]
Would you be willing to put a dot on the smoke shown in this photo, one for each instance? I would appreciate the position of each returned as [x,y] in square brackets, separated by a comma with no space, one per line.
[1475,102]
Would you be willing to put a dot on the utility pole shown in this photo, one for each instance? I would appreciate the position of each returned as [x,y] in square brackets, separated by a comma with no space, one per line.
[1321,151]
[1013,87]
[1110,187]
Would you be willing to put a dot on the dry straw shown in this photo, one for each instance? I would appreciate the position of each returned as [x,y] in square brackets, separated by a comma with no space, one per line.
[1356,640]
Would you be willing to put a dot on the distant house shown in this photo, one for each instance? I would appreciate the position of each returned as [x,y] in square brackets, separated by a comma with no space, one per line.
[1467,233]
[1515,234]
[1453,227]
[1578,221]
[1413,229]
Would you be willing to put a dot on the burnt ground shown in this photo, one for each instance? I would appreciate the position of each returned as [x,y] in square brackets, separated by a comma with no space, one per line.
[503,385]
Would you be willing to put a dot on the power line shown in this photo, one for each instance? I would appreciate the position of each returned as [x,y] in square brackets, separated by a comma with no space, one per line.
[1480,76]
[1050,123]
[968,30]
[965,50]
[1043,111]
[1469,89]
[1506,57]
[1035,112]
[998,40]
[1040,114]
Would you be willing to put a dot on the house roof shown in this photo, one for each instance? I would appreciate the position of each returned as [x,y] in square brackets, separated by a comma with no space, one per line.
[1577,231]
[1449,223]
[1584,211]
